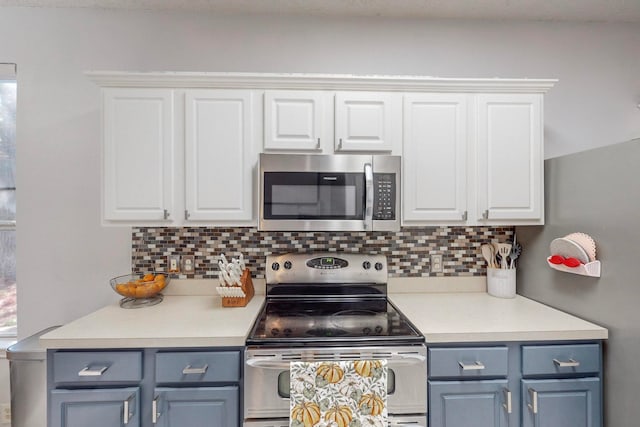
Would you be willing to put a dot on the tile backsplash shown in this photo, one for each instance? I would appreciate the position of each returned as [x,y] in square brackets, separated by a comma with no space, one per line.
[407,250]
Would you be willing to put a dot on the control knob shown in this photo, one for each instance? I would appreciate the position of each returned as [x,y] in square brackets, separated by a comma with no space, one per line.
[366,265]
[287,265]
[378,266]
[275,266]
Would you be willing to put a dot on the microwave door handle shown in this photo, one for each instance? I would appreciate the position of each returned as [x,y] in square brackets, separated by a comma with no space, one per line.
[368,196]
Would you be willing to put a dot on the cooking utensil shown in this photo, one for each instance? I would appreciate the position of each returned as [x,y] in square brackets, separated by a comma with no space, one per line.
[488,254]
[243,265]
[586,242]
[516,250]
[504,249]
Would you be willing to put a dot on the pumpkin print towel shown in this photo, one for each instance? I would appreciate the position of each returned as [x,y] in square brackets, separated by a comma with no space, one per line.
[339,394]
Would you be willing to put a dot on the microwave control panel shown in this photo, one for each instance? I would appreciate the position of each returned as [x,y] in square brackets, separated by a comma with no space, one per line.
[384,196]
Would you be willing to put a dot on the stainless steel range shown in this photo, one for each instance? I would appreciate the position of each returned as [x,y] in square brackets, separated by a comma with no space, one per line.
[324,307]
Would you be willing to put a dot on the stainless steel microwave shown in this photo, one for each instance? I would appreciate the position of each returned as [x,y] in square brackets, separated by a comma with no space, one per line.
[314,192]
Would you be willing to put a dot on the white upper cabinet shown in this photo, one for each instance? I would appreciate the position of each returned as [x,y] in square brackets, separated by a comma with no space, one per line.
[293,120]
[364,121]
[218,155]
[182,148]
[435,158]
[138,145]
[510,158]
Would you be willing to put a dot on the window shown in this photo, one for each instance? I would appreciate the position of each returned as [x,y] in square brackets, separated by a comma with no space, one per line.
[7,200]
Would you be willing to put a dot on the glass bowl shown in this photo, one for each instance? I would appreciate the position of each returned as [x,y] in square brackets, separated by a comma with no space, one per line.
[140,290]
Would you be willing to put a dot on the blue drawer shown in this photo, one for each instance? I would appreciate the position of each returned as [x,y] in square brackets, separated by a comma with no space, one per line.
[560,359]
[97,366]
[468,362]
[197,366]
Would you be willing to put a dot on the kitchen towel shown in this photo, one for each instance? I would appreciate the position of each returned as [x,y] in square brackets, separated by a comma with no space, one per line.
[338,394]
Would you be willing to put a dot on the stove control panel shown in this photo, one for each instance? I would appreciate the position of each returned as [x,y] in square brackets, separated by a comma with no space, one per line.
[326,267]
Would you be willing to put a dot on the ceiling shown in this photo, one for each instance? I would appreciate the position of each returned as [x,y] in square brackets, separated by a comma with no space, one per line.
[560,10]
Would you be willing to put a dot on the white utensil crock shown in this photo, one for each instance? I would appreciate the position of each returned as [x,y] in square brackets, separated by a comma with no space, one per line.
[501,282]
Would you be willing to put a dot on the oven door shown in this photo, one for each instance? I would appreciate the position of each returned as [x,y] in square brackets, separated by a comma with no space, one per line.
[266,391]
[316,193]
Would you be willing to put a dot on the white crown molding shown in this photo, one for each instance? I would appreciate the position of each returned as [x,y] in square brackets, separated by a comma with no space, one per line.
[316,81]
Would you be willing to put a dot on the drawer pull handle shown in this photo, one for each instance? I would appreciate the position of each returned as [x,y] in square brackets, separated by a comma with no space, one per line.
[533,406]
[154,410]
[570,364]
[477,366]
[95,372]
[189,370]
[507,401]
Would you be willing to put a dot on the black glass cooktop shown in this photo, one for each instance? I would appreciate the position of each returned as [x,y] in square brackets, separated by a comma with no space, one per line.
[331,322]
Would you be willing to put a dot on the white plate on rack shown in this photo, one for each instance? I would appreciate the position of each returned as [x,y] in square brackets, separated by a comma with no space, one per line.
[568,249]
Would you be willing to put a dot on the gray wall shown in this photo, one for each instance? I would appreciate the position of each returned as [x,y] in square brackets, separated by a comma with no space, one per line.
[596,192]
[65,257]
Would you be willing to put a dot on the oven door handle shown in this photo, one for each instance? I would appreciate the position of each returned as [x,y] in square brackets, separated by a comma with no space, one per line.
[277,363]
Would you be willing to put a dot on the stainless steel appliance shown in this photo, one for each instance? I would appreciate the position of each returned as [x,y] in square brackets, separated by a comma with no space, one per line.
[324,307]
[329,192]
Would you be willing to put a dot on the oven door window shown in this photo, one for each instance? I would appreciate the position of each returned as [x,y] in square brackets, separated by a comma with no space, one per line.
[313,195]
[284,383]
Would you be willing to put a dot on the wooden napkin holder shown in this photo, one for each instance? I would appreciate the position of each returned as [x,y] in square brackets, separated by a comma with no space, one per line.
[247,287]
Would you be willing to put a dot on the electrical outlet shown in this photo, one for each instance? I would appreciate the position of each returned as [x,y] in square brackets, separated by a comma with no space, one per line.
[436,263]
[173,263]
[5,413]
[188,264]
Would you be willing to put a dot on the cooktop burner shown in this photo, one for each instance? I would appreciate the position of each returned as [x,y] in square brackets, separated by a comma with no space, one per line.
[307,303]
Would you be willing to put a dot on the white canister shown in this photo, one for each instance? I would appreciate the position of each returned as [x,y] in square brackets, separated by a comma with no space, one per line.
[501,282]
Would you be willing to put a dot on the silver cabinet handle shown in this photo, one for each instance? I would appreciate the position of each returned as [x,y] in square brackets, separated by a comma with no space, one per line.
[477,366]
[95,372]
[127,410]
[166,214]
[485,214]
[570,364]
[340,144]
[533,406]
[154,410]
[186,214]
[464,216]
[189,370]
[507,400]
[318,143]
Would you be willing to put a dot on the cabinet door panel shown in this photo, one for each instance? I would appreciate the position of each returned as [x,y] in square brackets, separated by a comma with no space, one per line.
[468,403]
[138,153]
[95,408]
[510,158]
[566,403]
[218,155]
[363,121]
[434,155]
[198,407]
[292,120]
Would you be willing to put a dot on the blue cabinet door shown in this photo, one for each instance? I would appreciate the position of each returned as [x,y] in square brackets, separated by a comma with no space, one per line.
[561,402]
[96,408]
[197,407]
[469,403]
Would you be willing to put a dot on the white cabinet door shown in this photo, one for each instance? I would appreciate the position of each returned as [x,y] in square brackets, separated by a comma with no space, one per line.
[510,158]
[435,158]
[364,121]
[292,120]
[218,155]
[138,154]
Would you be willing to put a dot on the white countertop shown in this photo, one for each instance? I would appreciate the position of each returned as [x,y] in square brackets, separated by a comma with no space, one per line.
[478,316]
[201,321]
[178,321]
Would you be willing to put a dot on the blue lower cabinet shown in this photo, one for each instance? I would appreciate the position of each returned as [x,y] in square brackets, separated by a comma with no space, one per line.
[96,407]
[561,403]
[484,403]
[196,407]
